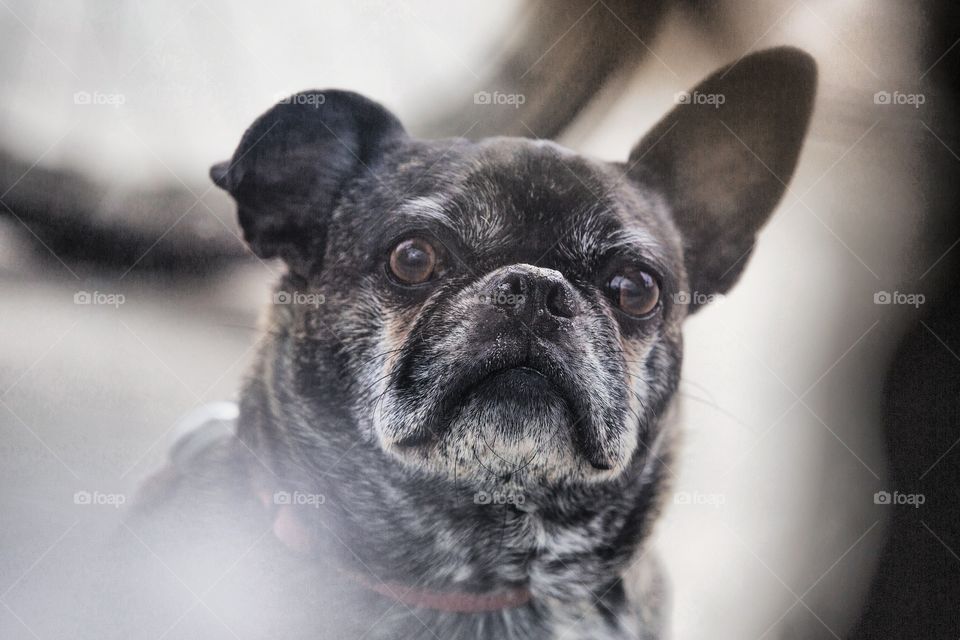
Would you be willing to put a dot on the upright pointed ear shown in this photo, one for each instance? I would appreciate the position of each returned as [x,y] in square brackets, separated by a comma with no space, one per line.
[723,157]
[293,164]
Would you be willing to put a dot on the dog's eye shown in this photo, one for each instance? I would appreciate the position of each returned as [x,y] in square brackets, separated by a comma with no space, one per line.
[413,260]
[636,293]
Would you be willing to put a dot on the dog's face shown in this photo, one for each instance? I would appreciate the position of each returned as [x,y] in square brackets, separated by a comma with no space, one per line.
[519,300]
[507,308]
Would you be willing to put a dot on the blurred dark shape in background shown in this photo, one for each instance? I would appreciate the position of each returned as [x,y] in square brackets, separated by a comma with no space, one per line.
[80,221]
[916,588]
[559,87]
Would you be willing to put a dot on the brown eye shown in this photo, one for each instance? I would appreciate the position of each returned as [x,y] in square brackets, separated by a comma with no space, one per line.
[413,261]
[637,293]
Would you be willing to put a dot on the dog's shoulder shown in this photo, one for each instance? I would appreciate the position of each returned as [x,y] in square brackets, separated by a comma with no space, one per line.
[206,474]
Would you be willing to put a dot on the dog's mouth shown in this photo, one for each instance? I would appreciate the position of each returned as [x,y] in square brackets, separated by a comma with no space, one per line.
[526,370]
[525,388]
[523,376]
[511,374]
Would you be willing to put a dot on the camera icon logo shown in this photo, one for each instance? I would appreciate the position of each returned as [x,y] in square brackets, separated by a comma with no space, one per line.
[281,497]
[82,497]
[882,297]
[482,497]
[682,297]
[282,297]
[82,297]
[881,97]
[482,97]
[882,497]
[682,97]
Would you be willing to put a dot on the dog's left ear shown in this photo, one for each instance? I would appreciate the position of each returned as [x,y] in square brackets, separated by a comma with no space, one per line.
[294,163]
[722,159]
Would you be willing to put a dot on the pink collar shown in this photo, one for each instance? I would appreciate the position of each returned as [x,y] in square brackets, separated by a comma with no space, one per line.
[293,534]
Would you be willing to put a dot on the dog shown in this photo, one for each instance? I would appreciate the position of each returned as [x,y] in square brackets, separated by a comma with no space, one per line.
[459,420]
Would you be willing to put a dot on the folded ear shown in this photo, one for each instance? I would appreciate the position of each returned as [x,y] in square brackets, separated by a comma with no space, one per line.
[722,159]
[293,164]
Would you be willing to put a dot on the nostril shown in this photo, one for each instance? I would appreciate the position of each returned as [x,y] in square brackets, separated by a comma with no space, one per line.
[512,284]
[559,301]
[510,292]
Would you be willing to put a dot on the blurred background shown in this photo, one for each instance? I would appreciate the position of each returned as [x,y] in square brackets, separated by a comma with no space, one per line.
[816,493]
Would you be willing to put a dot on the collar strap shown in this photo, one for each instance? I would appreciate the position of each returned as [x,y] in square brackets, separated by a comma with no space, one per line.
[290,531]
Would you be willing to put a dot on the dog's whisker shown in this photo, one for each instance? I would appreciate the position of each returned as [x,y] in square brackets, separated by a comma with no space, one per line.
[719,409]
[375,383]
[699,386]
[382,354]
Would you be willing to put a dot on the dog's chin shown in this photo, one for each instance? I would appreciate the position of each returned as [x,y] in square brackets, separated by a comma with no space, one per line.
[514,425]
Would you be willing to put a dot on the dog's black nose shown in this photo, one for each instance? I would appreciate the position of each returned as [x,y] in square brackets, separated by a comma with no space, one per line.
[527,292]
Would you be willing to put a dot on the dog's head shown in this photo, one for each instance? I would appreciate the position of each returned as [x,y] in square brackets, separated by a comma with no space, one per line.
[506,308]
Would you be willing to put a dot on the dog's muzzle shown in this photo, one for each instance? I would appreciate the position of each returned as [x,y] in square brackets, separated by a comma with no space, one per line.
[518,358]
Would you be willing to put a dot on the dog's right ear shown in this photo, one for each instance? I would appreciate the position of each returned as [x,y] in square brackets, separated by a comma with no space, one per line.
[292,165]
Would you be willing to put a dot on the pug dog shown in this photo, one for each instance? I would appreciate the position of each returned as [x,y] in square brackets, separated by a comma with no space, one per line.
[458,423]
